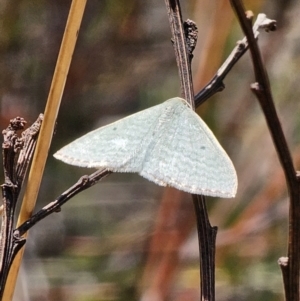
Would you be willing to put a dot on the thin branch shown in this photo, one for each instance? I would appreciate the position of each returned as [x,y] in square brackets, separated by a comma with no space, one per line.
[83,183]
[207,248]
[216,83]
[43,145]
[261,88]
[283,262]
[181,52]
[17,153]
[206,234]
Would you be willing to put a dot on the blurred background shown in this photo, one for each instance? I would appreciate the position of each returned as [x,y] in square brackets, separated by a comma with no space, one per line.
[126,238]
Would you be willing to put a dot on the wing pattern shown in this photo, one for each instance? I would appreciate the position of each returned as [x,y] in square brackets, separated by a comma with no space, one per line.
[168,144]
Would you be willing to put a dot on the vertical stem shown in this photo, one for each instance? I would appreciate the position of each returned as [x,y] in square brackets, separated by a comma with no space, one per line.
[17,153]
[206,234]
[9,201]
[261,88]
[207,247]
[181,52]
[44,141]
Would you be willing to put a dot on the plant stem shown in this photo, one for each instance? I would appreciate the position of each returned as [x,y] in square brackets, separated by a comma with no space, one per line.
[43,144]
[207,248]
[261,88]
[216,83]
[17,154]
[181,51]
[82,184]
[206,234]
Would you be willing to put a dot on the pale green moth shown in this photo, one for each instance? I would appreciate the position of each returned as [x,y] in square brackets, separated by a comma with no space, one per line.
[168,144]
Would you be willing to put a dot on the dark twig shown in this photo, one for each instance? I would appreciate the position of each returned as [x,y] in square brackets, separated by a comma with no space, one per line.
[207,248]
[283,263]
[191,34]
[184,46]
[29,138]
[82,184]
[216,83]
[181,50]
[261,88]
[17,153]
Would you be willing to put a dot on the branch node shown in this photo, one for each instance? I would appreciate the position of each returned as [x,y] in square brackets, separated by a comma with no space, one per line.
[58,209]
[11,140]
[256,87]
[249,15]
[283,261]
[191,35]
[84,180]
[241,45]
[266,24]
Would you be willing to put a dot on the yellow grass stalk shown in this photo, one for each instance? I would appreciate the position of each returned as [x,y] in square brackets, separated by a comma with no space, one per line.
[45,137]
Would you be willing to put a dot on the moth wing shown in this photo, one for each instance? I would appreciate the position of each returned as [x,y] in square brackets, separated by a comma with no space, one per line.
[188,157]
[119,146]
